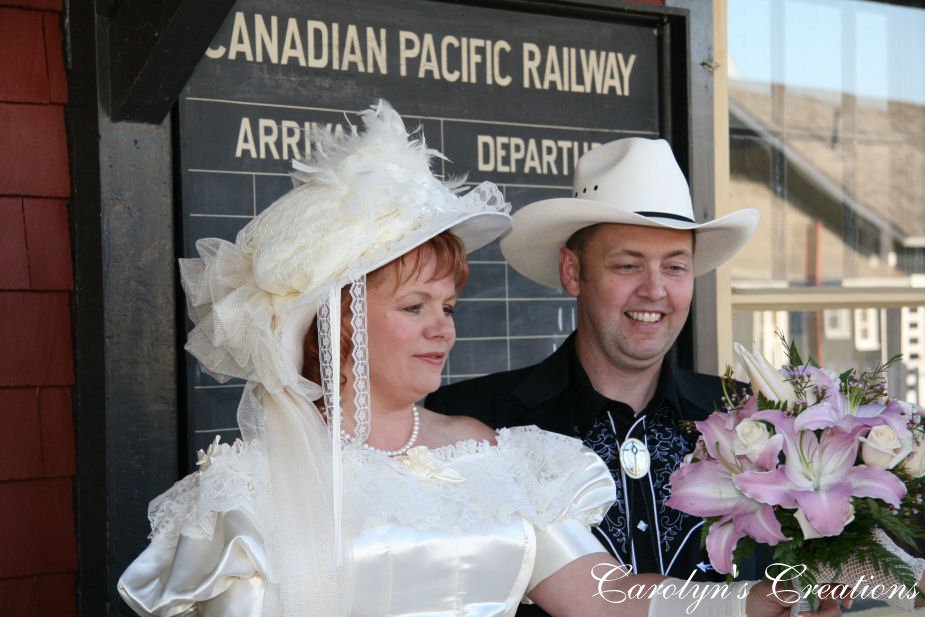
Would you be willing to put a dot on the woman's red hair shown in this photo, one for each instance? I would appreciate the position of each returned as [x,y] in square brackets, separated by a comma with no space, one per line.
[449,254]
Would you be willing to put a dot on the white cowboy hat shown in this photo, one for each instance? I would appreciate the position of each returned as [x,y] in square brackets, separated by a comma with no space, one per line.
[632,181]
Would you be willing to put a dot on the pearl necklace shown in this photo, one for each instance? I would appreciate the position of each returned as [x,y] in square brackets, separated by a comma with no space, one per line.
[415,430]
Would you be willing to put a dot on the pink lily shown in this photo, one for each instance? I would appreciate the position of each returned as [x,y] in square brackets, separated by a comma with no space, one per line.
[707,488]
[834,408]
[721,542]
[834,411]
[819,477]
[764,378]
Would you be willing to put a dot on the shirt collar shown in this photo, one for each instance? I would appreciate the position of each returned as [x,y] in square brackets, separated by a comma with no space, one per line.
[590,403]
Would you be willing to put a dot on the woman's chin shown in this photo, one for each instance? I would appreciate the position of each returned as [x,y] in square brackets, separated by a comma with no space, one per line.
[430,386]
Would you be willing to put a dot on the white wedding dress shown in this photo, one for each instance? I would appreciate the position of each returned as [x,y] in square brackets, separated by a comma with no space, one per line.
[462,530]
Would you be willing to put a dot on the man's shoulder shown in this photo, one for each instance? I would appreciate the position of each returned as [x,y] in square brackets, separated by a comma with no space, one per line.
[528,395]
[698,381]
[521,388]
[464,396]
[700,393]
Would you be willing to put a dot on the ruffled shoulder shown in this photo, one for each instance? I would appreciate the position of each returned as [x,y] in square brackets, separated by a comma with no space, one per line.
[563,478]
[206,548]
[227,480]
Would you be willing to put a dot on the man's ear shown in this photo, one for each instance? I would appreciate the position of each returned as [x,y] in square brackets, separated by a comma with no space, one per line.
[569,271]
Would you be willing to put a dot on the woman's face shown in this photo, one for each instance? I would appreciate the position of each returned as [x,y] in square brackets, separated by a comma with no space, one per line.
[411,331]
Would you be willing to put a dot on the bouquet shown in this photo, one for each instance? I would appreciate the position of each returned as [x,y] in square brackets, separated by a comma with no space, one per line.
[815,464]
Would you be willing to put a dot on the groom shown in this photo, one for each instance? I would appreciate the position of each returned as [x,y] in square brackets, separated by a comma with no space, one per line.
[627,247]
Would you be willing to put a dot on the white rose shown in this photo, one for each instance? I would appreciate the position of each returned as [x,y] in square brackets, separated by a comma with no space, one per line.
[914,464]
[883,448]
[750,439]
[809,532]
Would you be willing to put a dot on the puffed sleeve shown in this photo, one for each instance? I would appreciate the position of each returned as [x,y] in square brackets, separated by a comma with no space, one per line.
[571,489]
[207,555]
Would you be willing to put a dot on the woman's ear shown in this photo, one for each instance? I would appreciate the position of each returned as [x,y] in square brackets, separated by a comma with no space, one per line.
[570,271]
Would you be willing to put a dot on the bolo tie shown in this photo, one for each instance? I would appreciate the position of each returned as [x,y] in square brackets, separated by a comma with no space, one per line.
[634,458]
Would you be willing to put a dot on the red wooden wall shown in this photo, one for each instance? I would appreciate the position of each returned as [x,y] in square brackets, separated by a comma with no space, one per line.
[38,554]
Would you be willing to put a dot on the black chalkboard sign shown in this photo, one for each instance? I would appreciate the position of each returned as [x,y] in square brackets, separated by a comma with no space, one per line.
[509,95]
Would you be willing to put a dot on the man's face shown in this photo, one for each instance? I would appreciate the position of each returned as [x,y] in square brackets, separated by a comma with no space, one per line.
[634,287]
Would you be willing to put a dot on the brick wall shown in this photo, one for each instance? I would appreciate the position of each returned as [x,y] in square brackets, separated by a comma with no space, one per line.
[38,558]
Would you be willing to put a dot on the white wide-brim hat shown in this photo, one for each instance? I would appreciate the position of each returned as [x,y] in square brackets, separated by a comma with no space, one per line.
[360,201]
[632,181]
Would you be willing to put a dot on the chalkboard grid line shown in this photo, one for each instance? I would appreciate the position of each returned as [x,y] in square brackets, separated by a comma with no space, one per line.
[202,170]
[281,174]
[441,119]
[206,431]
[254,194]
[218,386]
[442,148]
[515,337]
[519,299]
[507,313]
[206,215]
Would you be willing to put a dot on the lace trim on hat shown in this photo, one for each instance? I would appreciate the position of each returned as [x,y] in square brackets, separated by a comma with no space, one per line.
[360,339]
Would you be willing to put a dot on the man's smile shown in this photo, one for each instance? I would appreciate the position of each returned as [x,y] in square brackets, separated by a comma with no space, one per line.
[646,316]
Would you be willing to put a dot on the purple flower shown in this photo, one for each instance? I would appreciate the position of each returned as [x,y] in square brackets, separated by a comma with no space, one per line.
[819,477]
[708,488]
[799,457]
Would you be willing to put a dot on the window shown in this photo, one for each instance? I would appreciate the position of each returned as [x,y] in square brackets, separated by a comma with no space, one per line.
[827,140]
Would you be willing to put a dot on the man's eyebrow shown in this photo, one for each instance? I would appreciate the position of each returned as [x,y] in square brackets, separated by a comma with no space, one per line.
[630,252]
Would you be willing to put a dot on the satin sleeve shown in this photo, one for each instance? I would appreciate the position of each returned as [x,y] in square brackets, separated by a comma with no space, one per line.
[571,489]
[206,557]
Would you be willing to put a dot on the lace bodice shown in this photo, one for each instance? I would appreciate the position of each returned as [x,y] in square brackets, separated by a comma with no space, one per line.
[466,529]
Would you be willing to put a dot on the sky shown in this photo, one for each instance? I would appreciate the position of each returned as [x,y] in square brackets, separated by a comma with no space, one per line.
[867,48]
